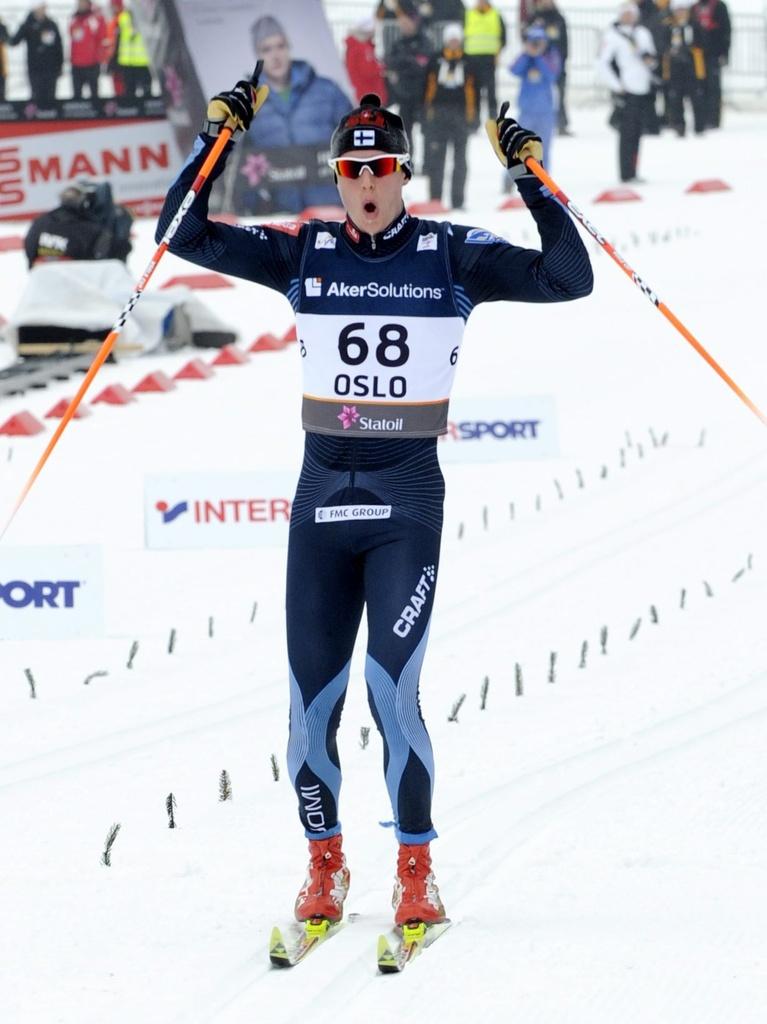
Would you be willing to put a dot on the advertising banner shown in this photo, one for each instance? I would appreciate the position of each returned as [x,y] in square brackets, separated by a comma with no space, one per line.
[500,430]
[38,159]
[217,510]
[51,593]
[203,47]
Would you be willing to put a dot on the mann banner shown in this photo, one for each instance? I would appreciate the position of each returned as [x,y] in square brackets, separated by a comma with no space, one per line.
[38,159]
[203,47]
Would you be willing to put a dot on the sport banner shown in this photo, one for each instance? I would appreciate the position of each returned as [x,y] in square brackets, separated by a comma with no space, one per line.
[51,593]
[500,430]
[201,47]
[38,159]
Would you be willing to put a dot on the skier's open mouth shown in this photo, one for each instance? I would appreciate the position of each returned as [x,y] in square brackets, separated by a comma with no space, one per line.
[370,208]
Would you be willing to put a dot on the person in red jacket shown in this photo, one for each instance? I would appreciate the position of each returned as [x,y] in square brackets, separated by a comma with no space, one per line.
[364,68]
[87,30]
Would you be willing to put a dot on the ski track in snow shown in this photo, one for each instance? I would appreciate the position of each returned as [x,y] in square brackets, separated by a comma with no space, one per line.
[539,799]
[616,540]
[602,840]
[452,619]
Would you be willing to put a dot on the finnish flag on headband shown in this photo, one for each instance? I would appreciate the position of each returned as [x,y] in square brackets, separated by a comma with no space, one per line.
[364,137]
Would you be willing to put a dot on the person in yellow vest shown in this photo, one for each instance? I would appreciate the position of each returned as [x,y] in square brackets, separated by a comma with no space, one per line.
[484,36]
[132,59]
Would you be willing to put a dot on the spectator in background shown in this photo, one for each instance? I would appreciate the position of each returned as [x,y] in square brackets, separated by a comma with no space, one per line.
[442,10]
[3,58]
[387,10]
[302,109]
[653,16]
[684,68]
[484,38]
[406,67]
[386,15]
[450,114]
[431,14]
[45,54]
[88,225]
[131,57]
[365,71]
[713,20]
[87,30]
[427,10]
[547,14]
[109,48]
[538,67]
[625,64]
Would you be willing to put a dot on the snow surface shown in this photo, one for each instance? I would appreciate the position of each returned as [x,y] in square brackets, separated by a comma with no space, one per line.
[602,838]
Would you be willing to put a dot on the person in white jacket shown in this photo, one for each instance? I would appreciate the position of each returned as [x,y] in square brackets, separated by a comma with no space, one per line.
[625,64]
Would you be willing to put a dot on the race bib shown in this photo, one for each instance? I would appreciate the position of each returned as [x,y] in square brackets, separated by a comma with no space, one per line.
[378,374]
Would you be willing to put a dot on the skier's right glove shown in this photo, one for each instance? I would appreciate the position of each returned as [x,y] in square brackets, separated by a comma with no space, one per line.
[513,143]
[235,108]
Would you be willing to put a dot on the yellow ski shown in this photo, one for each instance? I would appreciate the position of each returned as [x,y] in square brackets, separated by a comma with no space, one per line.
[395,952]
[315,931]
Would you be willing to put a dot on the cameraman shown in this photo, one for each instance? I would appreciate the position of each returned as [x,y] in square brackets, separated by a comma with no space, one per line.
[88,225]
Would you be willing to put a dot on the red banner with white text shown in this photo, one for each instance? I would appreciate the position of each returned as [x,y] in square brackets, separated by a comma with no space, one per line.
[38,160]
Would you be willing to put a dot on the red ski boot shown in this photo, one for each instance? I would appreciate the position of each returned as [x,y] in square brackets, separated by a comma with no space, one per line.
[416,896]
[327,881]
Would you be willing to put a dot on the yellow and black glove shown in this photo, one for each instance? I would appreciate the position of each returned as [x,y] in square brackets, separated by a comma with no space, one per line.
[513,143]
[235,108]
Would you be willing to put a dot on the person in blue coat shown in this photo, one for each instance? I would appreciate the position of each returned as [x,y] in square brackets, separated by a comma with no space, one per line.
[539,67]
[303,108]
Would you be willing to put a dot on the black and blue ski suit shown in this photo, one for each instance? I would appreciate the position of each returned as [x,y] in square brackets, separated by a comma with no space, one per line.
[380,320]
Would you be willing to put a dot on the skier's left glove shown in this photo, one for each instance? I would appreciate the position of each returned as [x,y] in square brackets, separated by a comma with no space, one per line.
[513,143]
[235,108]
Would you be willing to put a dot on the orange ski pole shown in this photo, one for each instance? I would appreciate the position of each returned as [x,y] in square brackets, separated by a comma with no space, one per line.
[109,342]
[532,164]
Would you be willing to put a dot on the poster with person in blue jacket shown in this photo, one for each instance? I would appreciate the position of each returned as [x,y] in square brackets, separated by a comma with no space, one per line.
[284,162]
[281,166]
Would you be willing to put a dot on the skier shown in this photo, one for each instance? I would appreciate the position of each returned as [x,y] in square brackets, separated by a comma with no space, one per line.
[380,302]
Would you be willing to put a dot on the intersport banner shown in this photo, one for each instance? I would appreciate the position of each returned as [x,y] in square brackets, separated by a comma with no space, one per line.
[51,593]
[39,158]
[201,47]
[501,429]
[217,510]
